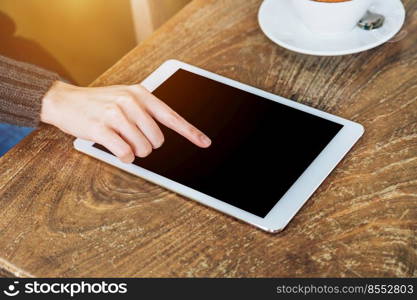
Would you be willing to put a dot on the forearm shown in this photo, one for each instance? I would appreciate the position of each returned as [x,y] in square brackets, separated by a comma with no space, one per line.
[22,88]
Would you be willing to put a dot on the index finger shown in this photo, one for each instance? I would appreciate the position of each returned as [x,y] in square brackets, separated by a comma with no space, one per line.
[167,116]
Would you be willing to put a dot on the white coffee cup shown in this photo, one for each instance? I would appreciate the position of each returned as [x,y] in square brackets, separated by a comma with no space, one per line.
[331,17]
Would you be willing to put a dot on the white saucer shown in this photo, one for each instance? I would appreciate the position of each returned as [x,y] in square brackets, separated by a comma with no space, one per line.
[283,27]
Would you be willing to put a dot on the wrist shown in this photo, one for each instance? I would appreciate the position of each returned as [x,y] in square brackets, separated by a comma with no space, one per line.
[49,103]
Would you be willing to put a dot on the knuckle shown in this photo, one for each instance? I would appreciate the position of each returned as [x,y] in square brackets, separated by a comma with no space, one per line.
[172,118]
[111,108]
[125,97]
[112,112]
[138,88]
[192,130]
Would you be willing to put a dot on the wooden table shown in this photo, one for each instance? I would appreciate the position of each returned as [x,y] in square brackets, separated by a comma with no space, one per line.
[65,214]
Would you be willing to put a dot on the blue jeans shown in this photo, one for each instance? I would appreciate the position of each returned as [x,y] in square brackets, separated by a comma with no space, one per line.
[10,135]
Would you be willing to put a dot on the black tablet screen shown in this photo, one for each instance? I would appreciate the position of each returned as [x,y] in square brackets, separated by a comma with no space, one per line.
[259,147]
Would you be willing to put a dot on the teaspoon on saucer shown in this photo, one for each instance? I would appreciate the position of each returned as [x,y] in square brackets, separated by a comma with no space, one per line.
[371,21]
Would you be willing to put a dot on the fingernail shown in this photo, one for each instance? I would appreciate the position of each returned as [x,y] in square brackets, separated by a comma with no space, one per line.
[205,140]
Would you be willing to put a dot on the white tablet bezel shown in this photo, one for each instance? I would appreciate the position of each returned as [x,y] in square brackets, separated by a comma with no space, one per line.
[286,207]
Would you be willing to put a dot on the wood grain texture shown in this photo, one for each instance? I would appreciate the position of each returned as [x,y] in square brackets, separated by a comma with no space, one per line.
[65,214]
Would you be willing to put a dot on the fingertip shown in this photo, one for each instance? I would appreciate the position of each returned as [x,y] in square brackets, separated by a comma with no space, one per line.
[205,141]
[128,159]
[207,145]
[144,153]
[158,144]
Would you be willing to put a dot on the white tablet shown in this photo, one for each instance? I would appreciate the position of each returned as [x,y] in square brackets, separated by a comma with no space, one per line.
[268,154]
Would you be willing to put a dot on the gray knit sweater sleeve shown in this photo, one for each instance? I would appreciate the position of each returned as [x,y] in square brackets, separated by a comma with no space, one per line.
[22,87]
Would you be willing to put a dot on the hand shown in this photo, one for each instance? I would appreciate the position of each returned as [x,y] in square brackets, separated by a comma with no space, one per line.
[121,118]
